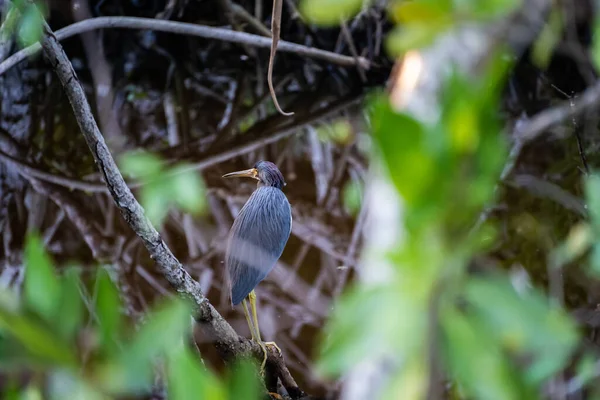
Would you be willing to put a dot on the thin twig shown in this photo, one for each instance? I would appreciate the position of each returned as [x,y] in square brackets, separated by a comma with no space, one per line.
[183,28]
[552,116]
[275,32]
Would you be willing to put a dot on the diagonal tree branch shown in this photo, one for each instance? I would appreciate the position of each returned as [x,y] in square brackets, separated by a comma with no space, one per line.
[227,341]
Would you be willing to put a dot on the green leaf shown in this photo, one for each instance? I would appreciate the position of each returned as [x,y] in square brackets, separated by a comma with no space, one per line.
[162,333]
[592,196]
[42,288]
[39,341]
[155,197]
[355,332]
[486,8]
[401,141]
[140,164]
[544,45]
[414,36]
[108,310]
[10,23]
[30,27]
[476,361]
[70,309]
[243,382]
[352,196]
[525,324]
[329,12]
[188,189]
[596,43]
[407,12]
[189,381]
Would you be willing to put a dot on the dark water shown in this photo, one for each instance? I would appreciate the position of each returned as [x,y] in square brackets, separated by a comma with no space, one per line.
[207,103]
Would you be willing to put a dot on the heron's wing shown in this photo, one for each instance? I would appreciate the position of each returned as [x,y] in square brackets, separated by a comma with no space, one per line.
[256,240]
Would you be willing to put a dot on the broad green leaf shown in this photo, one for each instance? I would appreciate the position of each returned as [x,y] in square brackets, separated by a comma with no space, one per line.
[189,381]
[156,198]
[486,8]
[463,126]
[401,141]
[355,332]
[70,309]
[414,36]
[140,164]
[30,27]
[64,385]
[329,12]
[40,342]
[475,360]
[108,310]
[525,324]
[163,331]
[243,381]
[406,12]
[188,189]
[42,288]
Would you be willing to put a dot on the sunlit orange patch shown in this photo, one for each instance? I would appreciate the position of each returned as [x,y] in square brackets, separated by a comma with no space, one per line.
[405,79]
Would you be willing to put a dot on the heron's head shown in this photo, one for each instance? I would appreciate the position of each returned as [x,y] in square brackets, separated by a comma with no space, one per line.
[265,172]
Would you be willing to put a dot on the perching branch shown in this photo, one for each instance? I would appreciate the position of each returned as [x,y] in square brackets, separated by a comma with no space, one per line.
[227,341]
[183,28]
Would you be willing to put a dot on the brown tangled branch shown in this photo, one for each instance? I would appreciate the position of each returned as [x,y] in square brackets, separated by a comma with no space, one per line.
[227,341]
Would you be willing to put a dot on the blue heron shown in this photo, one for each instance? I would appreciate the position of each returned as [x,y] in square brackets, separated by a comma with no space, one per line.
[257,239]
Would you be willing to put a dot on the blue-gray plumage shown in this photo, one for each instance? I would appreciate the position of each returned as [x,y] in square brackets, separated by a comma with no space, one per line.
[259,232]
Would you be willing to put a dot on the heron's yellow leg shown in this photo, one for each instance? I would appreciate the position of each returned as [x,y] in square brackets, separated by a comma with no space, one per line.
[247,315]
[252,298]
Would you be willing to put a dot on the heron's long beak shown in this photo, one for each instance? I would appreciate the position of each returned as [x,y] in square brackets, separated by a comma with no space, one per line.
[247,173]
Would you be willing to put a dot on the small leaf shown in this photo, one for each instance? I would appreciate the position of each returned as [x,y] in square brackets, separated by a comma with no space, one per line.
[329,12]
[463,126]
[140,164]
[163,331]
[39,341]
[70,310]
[10,23]
[155,197]
[189,381]
[406,12]
[470,353]
[352,196]
[414,36]
[243,382]
[401,141]
[547,40]
[42,288]
[31,26]
[108,309]
[526,324]
[188,189]
[356,332]
[592,196]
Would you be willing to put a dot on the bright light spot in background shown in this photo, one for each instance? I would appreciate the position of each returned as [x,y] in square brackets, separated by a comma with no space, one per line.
[406,79]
